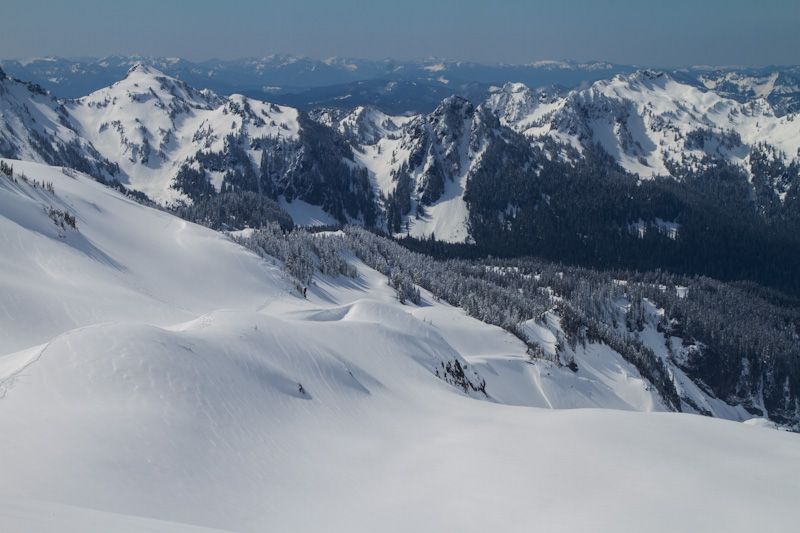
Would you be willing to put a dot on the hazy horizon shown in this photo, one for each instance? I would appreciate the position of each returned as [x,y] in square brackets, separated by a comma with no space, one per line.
[88,58]
[514,32]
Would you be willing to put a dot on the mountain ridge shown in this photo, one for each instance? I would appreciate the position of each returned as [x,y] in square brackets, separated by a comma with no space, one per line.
[285,77]
[428,174]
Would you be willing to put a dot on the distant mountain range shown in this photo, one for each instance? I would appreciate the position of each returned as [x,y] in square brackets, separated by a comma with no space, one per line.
[397,87]
[638,171]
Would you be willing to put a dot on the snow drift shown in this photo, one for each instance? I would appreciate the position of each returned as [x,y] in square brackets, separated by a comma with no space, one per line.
[154,374]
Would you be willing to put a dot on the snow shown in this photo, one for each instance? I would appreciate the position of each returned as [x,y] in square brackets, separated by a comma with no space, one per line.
[549,64]
[27,61]
[643,119]
[519,107]
[151,375]
[48,517]
[381,159]
[761,423]
[305,214]
[448,216]
[119,119]
[113,257]
[151,124]
[669,228]
[760,86]
[435,68]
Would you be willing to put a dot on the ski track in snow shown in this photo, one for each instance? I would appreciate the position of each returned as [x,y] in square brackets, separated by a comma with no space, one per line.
[7,381]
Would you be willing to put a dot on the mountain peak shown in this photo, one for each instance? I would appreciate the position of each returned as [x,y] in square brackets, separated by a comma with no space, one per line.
[515,87]
[647,76]
[141,68]
[457,102]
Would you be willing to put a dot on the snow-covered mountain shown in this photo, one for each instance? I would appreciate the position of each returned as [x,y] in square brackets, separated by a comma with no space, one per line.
[156,375]
[401,86]
[151,125]
[175,143]
[651,124]
[649,121]
[160,136]
[781,88]
[422,169]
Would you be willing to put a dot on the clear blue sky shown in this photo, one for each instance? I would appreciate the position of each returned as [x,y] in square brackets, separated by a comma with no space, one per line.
[665,33]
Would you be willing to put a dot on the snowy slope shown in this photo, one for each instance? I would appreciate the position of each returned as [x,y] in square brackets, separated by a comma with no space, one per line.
[37,127]
[168,271]
[206,426]
[26,109]
[165,270]
[22,515]
[154,375]
[437,151]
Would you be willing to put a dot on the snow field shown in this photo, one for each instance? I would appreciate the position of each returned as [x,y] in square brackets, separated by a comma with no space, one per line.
[151,374]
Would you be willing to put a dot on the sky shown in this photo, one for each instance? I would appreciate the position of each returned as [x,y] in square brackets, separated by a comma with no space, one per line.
[663,33]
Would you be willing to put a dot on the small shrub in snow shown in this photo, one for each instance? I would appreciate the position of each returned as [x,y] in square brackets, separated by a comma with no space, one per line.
[62,218]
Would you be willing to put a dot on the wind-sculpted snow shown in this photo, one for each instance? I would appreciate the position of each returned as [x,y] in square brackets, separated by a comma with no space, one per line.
[195,406]
[243,421]
[156,375]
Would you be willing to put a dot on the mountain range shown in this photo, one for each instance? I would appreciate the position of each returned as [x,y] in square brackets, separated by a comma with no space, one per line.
[468,172]
[640,172]
[398,87]
[650,122]
[499,309]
